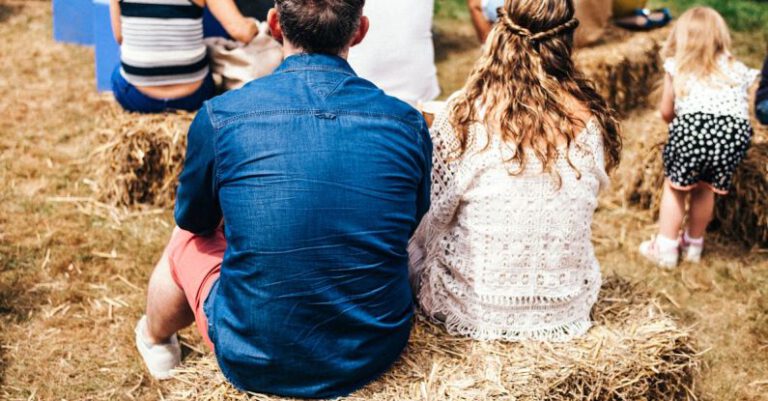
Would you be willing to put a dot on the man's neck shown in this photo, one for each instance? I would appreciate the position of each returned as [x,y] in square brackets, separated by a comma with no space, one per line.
[290,50]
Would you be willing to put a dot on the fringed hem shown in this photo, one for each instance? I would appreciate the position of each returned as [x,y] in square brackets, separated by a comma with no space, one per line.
[457,326]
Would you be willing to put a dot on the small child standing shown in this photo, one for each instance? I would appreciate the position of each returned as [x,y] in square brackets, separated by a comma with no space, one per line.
[705,101]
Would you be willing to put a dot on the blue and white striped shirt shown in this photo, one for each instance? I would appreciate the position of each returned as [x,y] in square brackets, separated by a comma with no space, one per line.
[162,42]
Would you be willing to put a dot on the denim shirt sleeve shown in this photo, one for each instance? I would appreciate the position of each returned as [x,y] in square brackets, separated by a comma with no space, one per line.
[197,204]
[762,90]
[423,201]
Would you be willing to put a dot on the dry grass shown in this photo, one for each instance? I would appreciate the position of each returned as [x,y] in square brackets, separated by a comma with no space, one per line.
[73,270]
[743,214]
[635,352]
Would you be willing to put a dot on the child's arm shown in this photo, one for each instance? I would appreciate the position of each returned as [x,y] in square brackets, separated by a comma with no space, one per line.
[668,99]
[241,28]
[114,14]
[482,25]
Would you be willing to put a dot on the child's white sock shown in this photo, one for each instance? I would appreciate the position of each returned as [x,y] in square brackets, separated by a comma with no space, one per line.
[661,250]
[665,244]
[693,241]
[694,247]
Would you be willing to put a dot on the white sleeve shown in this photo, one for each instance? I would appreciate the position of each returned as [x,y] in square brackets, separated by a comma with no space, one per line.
[746,76]
[593,140]
[670,66]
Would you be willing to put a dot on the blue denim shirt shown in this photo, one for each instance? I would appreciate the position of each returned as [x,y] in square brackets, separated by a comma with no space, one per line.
[321,179]
[761,100]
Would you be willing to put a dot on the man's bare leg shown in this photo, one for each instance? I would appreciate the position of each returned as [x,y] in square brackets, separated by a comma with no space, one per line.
[167,313]
[167,307]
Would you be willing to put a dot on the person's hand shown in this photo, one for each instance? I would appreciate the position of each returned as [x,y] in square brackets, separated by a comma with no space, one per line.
[248,30]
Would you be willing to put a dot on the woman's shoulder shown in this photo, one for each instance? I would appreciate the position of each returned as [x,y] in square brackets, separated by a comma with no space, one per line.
[591,136]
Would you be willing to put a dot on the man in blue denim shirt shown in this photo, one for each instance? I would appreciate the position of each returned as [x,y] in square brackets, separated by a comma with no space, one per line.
[295,206]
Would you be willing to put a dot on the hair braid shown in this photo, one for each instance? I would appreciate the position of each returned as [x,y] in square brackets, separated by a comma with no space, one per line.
[524,85]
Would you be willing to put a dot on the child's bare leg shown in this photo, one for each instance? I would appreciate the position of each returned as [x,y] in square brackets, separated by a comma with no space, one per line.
[672,211]
[167,307]
[701,212]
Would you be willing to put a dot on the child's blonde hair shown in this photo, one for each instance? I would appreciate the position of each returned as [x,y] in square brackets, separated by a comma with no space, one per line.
[697,42]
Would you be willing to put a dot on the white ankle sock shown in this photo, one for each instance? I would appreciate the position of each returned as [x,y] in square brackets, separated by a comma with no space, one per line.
[693,241]
[666,244]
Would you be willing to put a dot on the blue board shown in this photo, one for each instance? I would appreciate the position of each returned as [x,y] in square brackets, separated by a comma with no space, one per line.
[107,50]
[72,21]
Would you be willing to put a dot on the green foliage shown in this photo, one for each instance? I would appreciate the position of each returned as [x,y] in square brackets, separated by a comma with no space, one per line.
[742,15]
[453,9]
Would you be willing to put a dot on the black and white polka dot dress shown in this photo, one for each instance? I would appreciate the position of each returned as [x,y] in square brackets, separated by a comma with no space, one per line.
[711,134]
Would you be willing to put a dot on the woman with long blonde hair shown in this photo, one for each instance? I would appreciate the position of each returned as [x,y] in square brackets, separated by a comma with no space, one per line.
[521,154]
[705,101]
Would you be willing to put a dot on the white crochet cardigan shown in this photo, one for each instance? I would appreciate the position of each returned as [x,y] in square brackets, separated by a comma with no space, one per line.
[509,257]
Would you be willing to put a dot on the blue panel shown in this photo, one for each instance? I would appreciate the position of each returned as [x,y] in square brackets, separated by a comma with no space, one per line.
[107,49]
[212,27]
[72,21]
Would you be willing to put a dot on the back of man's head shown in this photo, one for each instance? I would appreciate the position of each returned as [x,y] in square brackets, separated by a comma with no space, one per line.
[320,26]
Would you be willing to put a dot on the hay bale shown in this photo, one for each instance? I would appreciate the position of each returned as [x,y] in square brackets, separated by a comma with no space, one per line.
[743,214]
[635,352]
[641,174]
[143,154]
[141,158]
[625,69]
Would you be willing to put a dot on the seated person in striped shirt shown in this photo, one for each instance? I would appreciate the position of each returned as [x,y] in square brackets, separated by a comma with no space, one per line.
[163,60]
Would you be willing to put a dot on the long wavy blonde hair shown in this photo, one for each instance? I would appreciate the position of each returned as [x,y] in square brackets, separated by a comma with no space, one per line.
[697,42]
[524,86]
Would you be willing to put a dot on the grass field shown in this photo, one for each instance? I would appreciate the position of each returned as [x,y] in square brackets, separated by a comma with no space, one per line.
[73,271]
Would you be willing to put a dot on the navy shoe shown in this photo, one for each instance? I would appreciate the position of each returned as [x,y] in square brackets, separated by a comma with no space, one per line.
[645,20]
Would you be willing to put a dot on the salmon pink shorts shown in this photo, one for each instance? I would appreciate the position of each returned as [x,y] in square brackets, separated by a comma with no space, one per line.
[195,266]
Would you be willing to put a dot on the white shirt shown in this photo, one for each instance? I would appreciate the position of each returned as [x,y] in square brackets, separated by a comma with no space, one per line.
[725,94]
[398,54]
[510,257]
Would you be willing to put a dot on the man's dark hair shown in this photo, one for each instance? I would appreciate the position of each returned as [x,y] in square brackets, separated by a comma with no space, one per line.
[320,26]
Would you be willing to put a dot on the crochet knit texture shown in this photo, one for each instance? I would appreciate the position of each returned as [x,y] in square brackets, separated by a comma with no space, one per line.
[503,256]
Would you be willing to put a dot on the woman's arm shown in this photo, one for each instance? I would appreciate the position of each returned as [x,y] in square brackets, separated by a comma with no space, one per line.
[114,14]
[482,25]
[668,99]
[238,26]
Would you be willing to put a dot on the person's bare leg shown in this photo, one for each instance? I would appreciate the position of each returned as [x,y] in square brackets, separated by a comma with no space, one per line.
[672,211]
[701,212]
[167,307]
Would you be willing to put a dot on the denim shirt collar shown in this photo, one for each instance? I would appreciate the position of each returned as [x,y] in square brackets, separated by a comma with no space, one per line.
[315,62]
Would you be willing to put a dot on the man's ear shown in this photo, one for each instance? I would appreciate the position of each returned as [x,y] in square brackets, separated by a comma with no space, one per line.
[365,24]
[273,20]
